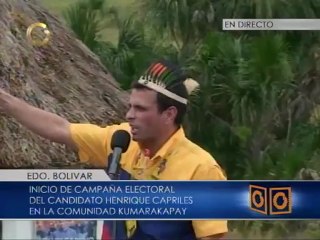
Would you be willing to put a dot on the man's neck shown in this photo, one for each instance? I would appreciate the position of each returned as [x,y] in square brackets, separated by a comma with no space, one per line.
[154,145]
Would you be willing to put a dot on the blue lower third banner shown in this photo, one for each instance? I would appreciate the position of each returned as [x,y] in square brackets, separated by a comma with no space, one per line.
[160,200]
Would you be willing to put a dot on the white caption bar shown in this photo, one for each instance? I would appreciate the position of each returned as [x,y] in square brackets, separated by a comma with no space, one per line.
[36,175]
[270,24]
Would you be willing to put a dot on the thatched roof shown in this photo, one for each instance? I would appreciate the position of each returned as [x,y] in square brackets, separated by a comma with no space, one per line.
[63,77]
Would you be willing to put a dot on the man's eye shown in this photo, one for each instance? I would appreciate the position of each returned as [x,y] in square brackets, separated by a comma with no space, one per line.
[140,108]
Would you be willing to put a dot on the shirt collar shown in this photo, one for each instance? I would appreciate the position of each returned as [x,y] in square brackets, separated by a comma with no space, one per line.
[166,147]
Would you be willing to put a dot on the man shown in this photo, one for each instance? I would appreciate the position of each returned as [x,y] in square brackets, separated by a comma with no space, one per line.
[159,149]
[64,232]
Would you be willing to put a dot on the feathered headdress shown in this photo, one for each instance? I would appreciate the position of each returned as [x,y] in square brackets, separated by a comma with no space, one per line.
[162,77]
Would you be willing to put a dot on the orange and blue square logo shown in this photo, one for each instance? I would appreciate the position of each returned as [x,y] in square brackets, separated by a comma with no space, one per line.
[270,200]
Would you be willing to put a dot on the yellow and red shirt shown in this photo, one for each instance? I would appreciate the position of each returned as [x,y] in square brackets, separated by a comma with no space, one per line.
[178,159]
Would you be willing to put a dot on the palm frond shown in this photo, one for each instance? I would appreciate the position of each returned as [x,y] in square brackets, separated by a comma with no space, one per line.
[83,18]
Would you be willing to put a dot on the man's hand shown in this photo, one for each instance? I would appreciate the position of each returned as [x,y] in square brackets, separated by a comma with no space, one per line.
[45,124]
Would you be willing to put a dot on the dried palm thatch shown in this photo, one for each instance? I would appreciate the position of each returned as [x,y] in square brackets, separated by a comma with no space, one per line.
[63,77]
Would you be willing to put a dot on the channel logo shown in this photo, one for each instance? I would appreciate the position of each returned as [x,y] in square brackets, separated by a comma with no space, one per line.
[38,41]
[270,200]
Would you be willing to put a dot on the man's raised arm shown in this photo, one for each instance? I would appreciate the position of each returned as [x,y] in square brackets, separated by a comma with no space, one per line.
[43,123]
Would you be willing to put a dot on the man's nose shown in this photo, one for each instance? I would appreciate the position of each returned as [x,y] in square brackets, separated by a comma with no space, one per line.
[130,114]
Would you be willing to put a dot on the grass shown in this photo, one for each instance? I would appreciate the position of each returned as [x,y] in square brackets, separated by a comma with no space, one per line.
[124,7]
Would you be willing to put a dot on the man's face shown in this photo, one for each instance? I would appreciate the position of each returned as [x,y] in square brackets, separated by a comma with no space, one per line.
[143,115]
[63,225]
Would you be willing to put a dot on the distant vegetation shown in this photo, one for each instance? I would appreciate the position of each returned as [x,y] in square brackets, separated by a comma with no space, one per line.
[260,91]
[109,31]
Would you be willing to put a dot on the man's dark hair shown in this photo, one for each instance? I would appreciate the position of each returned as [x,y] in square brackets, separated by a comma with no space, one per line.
[173,77]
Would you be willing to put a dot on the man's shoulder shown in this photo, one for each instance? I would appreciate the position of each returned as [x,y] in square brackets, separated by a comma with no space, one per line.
[198,163]
[93,140]
[195,153]
[204,164]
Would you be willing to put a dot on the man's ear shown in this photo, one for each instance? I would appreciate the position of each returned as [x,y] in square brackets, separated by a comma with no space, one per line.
[170,114]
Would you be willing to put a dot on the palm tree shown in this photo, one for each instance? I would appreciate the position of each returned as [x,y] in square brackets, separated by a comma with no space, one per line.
[266,9]
[85,19]
[182,22]
[249,88]
[128,56]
